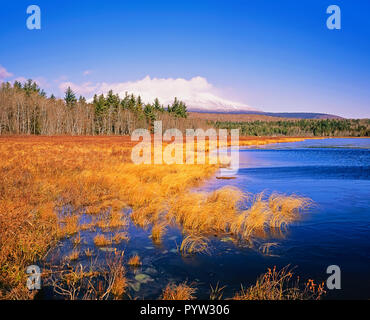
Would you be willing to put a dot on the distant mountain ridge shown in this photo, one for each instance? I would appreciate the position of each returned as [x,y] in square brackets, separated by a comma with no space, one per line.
[291,115]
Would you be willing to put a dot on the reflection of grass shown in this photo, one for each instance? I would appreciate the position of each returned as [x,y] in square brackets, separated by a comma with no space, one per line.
[182,291]
[38,174]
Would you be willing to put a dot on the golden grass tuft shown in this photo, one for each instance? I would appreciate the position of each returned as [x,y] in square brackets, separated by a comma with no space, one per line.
[134,261]
[70,225]
[100,240]
[120,236]
[182,291]
[158,231]
[193,244]
[74,255]
[270,216]
[206,212]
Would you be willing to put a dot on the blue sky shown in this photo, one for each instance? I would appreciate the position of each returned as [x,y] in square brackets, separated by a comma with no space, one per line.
[272,55]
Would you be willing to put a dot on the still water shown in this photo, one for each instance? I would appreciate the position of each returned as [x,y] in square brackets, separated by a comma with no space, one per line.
[334,173]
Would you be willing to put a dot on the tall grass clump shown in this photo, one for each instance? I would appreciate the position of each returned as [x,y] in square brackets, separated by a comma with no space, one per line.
[206,212]
[280,285]
[269,216]
[182,291]
[158,231]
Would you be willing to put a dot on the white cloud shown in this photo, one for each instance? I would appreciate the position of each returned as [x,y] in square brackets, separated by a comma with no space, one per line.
[197,92]
[4,73]
[87,72]
[85,89]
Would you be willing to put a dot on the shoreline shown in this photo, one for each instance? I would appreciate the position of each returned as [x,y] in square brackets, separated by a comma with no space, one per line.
[40,173]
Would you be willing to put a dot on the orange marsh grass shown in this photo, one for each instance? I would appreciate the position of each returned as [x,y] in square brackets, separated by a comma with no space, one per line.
[39,173]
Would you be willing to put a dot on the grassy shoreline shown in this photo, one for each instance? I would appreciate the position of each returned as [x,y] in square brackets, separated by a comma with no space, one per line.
[40,173]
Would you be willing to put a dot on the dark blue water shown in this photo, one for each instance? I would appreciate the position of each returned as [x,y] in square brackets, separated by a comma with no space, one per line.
[335,173]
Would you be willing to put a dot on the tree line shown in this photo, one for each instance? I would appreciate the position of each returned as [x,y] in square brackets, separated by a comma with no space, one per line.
[302,127]
[25,109]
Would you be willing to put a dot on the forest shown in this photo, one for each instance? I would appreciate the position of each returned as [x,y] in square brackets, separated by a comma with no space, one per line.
[301,127]
[26,109]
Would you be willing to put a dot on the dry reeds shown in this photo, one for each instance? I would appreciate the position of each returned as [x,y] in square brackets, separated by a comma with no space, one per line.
[193,244]
[280,285]
[182,291]
[120,236]
[74,255]
[119,280]
[88,252]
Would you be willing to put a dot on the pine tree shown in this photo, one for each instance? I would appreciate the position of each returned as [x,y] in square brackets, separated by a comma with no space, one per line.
[70,97]
[82,100]
[157,106]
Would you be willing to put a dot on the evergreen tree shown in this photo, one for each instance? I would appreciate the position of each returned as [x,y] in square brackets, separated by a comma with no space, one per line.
[82,100]
[70,97]
[157,106]
[17,85]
